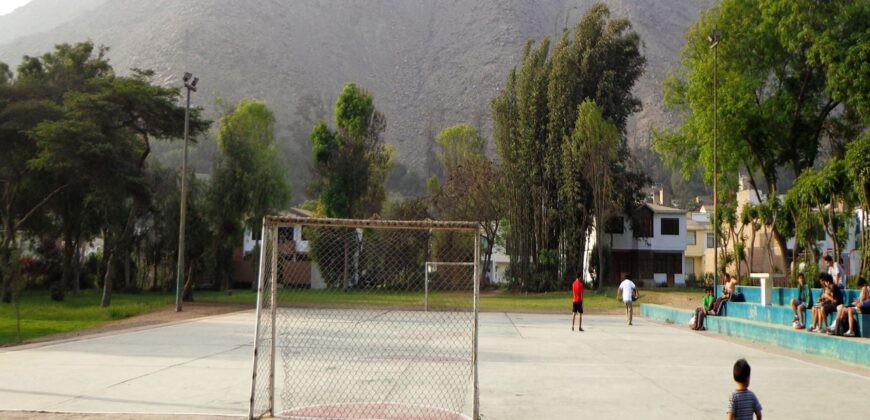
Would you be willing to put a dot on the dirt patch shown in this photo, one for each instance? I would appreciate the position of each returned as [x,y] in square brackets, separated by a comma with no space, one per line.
[25,415]
[164,315]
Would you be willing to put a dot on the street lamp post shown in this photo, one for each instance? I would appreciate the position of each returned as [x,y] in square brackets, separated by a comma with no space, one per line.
[189,83]
[714,39]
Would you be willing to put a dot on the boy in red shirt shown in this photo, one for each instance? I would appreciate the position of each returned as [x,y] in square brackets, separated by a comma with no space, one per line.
[578,304]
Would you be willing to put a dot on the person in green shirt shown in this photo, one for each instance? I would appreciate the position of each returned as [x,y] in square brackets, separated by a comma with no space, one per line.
[804,300]
[708,300]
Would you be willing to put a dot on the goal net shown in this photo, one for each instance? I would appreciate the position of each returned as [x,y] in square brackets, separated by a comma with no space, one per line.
[366,319]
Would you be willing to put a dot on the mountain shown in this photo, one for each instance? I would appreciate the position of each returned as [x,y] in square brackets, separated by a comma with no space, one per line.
[429,63]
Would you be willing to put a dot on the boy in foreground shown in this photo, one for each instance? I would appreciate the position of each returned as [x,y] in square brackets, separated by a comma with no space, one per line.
[578,304]
[743,403]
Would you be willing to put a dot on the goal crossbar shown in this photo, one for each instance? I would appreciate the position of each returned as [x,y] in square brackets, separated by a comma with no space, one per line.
[372,223]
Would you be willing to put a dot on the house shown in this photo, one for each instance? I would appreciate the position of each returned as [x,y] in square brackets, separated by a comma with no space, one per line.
[699,243]
[295,268]
[647,246]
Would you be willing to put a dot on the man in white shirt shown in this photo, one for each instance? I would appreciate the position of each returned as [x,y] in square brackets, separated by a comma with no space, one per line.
[836,271]
[628,290]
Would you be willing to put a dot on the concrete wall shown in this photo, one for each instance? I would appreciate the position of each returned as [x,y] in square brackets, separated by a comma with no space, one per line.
[851,350]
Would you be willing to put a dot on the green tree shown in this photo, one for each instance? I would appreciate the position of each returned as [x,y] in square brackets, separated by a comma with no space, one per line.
[249,181]
[858,168]
[458,143]
[534,114]
[782,76]
[350,166]
[594,147]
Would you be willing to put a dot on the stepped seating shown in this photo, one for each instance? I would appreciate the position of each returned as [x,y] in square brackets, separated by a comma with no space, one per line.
[849,350]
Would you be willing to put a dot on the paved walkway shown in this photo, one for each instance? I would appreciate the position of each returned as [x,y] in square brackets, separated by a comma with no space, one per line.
[532,367]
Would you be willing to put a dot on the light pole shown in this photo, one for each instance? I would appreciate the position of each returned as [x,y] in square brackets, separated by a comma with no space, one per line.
[714,39]
[189,83]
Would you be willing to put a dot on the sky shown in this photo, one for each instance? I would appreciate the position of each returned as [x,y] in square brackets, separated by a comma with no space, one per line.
[7,6]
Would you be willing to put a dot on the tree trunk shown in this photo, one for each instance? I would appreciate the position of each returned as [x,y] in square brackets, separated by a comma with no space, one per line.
[126,268]
[187,290]
[69,247]
[154,284]
[345,274]
[108,279]
[6,269]
[77,268]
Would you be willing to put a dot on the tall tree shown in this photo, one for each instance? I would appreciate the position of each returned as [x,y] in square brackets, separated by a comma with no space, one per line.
[350,166]
[784,69]
[594,147]
[352,161]
[534,115]
[249,180]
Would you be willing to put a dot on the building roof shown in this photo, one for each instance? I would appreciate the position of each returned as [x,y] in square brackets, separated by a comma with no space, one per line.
[692,224]
[657,208]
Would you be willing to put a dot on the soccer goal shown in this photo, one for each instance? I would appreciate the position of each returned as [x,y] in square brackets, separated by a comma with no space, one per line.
[366,319]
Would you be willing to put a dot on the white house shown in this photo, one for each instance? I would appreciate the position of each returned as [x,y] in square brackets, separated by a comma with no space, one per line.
[295,268]
[647,246]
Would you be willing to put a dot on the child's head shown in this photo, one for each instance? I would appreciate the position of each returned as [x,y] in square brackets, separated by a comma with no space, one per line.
[829,260]
[801,278]
[742,372]
[709,291]
[825,279]
[862,282]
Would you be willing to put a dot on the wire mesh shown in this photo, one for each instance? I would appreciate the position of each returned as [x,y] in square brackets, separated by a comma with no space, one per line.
[366,319]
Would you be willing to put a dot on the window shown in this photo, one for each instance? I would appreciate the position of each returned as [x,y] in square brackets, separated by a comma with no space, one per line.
[670,226]
[615,225]
[690,265]
[690,238]
[710,241]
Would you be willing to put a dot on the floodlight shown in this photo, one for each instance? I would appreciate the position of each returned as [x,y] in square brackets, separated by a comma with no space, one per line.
[186,77]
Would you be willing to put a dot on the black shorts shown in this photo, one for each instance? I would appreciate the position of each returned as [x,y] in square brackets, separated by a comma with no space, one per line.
[829,308]
[578,307]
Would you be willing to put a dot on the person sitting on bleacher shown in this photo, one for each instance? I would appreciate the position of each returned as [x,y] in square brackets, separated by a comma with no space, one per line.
[804,300]
[862,306]
[828,302]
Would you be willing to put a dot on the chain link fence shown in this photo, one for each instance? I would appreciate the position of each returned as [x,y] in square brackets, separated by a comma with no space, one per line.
[366,319]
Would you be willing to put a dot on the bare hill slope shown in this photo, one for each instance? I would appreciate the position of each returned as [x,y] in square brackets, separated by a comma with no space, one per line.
[429,63]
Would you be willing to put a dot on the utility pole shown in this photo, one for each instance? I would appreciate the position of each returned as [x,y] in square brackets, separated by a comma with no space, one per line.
[714,39]
[189,83]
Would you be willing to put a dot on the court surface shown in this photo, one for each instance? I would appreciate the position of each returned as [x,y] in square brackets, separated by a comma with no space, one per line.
[531,367]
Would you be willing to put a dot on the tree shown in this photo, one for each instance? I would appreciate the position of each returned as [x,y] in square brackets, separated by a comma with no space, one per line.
[249,181]
[350,166]
[459,144]
[594,147]
[534,114]
[351,163]
[475,191]
[858,167]
[781,71]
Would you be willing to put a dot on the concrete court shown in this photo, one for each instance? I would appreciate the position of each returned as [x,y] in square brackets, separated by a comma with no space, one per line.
[532,367]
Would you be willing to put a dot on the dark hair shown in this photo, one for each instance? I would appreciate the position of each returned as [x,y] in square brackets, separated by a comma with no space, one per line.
[708,290]
[829,259]
[801,275]
[742,371]
[862,282]
[825,277]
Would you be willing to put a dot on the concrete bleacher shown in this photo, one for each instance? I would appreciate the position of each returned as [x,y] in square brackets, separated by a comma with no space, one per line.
[772,324]
[779,312]
[851,350]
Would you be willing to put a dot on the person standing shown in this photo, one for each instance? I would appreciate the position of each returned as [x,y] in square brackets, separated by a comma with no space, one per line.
[743,403]
[578,305]
[836,271]
[628,290]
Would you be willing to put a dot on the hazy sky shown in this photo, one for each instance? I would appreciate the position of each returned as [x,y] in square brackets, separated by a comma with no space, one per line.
[7,6]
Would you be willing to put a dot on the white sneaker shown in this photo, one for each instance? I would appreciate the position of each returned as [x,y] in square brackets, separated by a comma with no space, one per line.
[849,334]
[812,329]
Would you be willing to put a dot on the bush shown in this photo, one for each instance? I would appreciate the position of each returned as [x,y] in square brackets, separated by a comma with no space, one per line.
[57,292]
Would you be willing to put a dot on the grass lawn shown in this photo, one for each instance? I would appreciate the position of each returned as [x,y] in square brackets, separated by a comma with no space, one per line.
[40,316]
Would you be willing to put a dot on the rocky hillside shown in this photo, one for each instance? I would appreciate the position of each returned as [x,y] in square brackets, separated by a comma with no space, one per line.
[429,63]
